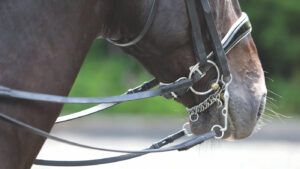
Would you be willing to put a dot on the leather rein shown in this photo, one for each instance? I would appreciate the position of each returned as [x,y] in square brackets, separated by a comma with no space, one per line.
[239,30]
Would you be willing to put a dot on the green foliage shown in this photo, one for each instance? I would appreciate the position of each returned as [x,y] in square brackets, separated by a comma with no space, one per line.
[284,94]
[276,33]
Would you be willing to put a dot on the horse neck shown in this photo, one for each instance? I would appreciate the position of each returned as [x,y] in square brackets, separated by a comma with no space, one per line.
[42,48]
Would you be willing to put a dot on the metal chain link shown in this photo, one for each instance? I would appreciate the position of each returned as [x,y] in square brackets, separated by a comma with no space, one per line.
[203,106]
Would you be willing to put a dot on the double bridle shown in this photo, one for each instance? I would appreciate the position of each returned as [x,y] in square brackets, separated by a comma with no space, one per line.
[217,94]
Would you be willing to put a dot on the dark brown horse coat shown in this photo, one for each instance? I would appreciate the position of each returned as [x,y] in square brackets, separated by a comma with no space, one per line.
[43,44]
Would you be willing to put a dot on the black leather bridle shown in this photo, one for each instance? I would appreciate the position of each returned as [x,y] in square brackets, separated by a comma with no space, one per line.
[239,31]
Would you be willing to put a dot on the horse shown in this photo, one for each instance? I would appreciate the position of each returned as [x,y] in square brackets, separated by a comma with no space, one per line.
[43,45]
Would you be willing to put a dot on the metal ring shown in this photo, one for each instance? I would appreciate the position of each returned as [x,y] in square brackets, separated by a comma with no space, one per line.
[194,117]
[195,69]
[221,129]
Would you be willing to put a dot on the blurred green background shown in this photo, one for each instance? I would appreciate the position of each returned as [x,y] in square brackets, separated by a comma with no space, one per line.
[277,36]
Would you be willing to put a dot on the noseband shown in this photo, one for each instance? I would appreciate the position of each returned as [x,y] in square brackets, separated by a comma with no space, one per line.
[215,59]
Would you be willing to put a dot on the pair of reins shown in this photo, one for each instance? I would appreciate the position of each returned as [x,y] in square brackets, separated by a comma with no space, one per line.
[237,32]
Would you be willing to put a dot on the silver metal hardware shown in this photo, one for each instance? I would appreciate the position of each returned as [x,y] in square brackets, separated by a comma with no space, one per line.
[195,69]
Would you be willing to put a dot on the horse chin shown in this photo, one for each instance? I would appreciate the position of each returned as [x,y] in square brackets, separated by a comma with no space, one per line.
[237,128]
[243,114]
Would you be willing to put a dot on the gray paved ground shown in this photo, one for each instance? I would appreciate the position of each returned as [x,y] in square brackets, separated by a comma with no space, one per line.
[276,146]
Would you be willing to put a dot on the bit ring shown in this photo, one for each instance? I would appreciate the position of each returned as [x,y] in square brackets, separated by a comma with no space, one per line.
[195,69]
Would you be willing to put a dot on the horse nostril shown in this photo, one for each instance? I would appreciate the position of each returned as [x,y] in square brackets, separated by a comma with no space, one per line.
[262,106]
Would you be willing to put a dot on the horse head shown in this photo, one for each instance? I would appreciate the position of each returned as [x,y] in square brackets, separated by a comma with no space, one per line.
[43,44]
[166,51]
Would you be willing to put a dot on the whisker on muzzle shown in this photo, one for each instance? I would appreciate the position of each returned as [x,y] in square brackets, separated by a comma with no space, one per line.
[270,79]
[271,98]
[274,93]
[272,105]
